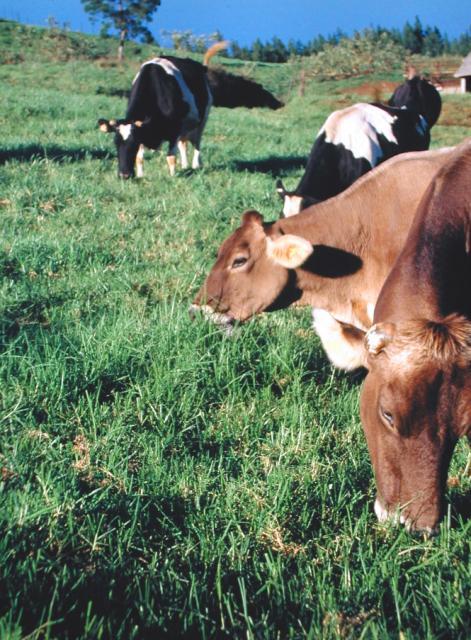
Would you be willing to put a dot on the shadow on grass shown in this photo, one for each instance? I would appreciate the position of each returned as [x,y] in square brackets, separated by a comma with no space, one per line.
[460,508]
[30,314]
[273,164]
[56,153]
[113,92]
[96,581]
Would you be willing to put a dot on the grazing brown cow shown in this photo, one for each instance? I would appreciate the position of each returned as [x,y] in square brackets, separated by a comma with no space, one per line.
[333,256]
[416,399]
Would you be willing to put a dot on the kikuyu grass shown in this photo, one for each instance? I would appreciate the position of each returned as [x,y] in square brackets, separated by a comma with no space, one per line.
[159,479]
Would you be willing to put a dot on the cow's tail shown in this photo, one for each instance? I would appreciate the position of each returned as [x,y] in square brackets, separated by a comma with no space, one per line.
[213,50]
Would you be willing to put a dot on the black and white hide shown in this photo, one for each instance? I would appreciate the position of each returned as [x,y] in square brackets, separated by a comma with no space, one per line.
[417,94]
[170,101]
[350,143]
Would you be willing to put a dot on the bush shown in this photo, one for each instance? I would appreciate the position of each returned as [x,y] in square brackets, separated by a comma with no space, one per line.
[363,54]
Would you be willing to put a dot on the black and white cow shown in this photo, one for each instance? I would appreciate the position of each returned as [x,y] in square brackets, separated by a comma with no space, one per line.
[354,140]
[170,101]
[419,95]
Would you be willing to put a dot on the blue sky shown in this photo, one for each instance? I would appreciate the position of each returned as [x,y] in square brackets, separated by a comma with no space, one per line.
[245,20]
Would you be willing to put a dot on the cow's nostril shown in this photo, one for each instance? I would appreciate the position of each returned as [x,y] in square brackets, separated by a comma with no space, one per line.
[124,176]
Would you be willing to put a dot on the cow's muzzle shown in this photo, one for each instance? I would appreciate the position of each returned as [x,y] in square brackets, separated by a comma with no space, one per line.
[397,518]
[223,320]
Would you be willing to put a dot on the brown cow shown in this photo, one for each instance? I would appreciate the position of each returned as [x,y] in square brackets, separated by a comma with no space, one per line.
[416,399]
[333,256]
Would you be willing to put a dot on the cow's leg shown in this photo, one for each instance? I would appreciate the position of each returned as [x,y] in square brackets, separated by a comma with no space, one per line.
[171,157]
[183,153]
[342,342]
[196,162]
[140,162]
[195,138]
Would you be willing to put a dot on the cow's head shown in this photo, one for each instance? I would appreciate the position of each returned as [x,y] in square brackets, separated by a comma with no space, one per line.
[415,404]
[417,94]
[128,138]
[252,271]
[293,203]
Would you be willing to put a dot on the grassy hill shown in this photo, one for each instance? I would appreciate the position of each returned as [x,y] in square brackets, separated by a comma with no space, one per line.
[158,480]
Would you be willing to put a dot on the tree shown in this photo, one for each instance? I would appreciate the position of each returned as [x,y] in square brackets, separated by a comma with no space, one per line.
[433,42]
[257,50]
[462,45]
[128,17]
[413,36]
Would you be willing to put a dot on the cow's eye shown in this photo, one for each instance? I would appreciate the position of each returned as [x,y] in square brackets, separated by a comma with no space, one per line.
[238,262]
[387,417]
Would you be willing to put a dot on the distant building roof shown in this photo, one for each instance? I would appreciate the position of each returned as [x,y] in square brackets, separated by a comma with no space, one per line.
[465,69]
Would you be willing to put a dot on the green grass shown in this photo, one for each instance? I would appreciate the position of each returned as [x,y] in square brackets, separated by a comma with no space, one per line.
[158,479]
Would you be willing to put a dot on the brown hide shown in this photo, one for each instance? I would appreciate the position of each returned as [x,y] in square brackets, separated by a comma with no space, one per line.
[416,399]
[355,237]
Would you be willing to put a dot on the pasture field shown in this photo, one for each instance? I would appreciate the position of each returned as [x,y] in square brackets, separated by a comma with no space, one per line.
[158,479]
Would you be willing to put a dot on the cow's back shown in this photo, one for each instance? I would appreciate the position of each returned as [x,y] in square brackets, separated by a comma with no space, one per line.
[353,141]
[169,88]
[196,78]
[370,221]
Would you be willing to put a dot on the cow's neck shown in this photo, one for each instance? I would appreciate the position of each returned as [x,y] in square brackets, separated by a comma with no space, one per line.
[339,238]
[431,276]
[334,223]
[430,280]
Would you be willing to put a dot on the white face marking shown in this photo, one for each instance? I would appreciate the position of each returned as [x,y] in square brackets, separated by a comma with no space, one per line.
[357,129]
[125,130]
[291,205]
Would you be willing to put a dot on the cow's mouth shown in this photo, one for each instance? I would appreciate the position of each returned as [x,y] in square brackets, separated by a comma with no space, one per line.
[224,320]
[395,517]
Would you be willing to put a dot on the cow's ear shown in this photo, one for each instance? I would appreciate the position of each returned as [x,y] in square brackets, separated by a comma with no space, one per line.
[252,217]
[289,251]
[379,336]
[107,126]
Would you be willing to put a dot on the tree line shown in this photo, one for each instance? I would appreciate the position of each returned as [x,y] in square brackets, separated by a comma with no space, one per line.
[129,18]
[415,38]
